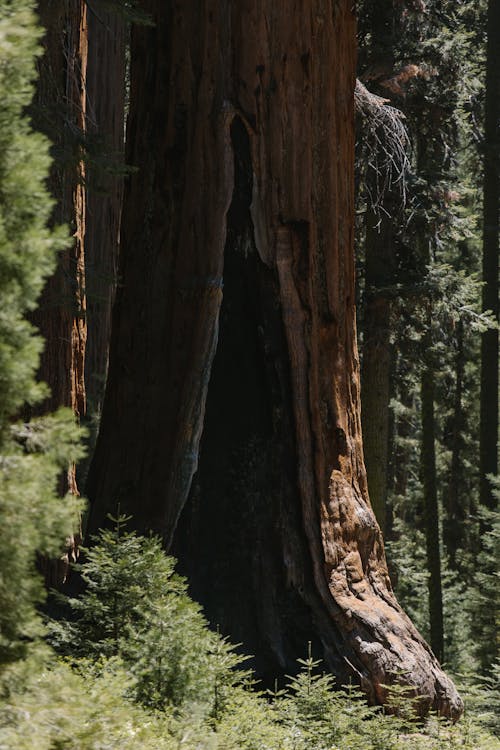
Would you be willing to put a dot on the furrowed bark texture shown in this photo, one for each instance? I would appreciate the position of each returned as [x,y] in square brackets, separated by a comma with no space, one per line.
[59,111]
[237,239]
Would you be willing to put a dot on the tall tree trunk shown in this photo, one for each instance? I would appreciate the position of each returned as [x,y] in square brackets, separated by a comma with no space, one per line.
[380,253]
[60,112]
[453,525]
[241,126]
[105,126]
[491,201]
[431,510]
[402,430]
[377,359]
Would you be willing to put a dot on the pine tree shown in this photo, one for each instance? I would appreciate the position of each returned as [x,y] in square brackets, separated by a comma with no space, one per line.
[32,455]
[135,607]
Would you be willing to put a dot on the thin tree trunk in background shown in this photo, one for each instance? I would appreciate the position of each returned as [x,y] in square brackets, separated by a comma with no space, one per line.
[377,359]
[488,436]
[59,111]
[453,524]
[402,430]
[379,274]
[105,125]
[431,511]
[241,126]
[491,201]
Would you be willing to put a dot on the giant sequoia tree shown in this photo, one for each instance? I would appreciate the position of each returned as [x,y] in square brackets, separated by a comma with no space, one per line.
[231,417]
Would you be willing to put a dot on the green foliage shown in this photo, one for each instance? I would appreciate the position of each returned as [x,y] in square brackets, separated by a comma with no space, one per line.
[317,714]
[50,706]
[307,707]
[129,9]
[251,722]
[136,637]
[27,247]
[409,573]
[482,701]
[32,456]
[33,518]
[439,48]
[141,669]
[123,574]
[484,600]
[134,606]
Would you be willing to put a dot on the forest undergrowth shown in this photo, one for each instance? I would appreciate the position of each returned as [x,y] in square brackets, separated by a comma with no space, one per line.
[133,664]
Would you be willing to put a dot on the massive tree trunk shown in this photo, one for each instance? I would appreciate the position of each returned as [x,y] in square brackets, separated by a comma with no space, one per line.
[491,200]
[60,112]
[237,239]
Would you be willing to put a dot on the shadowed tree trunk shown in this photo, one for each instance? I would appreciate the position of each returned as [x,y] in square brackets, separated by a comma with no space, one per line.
[431,506]
[60,111]
[377,358]
[105,92]
[105,124]
[488,434]
[491,201]
[237,244]
[380,239]
[454,530]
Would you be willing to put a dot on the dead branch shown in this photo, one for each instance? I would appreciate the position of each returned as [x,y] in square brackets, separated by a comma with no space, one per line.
[384,148]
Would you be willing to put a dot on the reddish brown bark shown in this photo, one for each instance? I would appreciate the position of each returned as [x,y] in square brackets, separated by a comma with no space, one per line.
[60,111]
[244,145]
